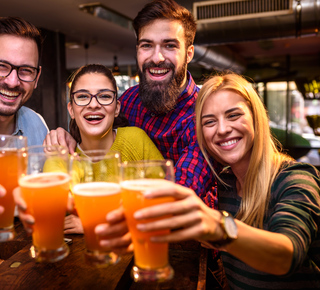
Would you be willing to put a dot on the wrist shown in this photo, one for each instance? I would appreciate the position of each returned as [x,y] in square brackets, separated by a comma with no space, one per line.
[229,229]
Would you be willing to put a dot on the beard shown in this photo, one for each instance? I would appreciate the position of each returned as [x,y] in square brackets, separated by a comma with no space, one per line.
[160,97]
[8,109]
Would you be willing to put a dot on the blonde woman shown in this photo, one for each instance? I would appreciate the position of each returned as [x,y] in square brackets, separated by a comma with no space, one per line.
[268,225]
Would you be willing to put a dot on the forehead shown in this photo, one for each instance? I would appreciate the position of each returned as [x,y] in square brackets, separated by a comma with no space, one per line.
[93,82]
[18,50]
[162,29]
[224,100]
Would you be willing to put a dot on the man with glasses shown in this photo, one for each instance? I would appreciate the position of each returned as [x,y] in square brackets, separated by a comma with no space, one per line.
[20,47]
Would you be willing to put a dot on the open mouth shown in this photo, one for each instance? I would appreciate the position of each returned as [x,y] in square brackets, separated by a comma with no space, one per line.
[158,72]
[91,118]
[9,95]
[229,143]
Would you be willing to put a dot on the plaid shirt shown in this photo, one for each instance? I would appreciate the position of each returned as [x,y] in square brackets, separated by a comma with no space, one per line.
[175,136]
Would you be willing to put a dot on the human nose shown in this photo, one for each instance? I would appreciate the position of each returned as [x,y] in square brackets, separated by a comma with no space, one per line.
[224,127]
[158,55]
[94,102]
[12,80]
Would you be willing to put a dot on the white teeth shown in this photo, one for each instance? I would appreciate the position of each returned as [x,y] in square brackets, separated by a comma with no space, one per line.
[9,95]
[159,71]
[93,117]
[229,142]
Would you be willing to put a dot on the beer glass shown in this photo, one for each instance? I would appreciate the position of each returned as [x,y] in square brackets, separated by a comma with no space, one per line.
[96,191]
[45,189]
[150,259]
[9,146]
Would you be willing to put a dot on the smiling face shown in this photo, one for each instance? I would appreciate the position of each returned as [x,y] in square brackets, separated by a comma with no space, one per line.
[14,93]
[94,120]
[228,129]
[162,58]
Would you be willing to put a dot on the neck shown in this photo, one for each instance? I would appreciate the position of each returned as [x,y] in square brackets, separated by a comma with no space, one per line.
[7,125]
[95,143]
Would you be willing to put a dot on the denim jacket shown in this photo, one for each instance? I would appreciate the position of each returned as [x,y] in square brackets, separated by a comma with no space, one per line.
[30,124]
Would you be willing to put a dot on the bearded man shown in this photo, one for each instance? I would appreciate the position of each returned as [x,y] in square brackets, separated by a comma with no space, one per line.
[163,102]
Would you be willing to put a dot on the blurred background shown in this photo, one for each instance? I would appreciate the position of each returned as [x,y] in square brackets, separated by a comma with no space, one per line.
[275,43]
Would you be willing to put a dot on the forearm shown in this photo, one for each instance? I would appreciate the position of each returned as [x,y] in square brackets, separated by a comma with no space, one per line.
[262,250]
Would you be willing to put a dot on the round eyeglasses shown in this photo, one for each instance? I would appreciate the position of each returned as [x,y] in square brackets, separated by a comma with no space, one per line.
[104,97]
[25,73]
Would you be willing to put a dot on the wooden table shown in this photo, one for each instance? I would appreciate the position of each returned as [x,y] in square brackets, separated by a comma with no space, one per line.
[19,271]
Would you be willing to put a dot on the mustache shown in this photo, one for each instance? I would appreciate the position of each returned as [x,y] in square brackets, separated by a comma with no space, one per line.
[162,64]
[14,90]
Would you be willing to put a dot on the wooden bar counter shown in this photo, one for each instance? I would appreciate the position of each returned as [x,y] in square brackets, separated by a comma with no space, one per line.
[19,271]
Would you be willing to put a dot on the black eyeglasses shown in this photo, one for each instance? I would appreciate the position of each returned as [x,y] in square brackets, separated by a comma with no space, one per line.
[104,97]
[25,73]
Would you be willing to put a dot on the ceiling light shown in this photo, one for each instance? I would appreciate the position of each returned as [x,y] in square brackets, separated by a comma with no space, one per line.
[98,10]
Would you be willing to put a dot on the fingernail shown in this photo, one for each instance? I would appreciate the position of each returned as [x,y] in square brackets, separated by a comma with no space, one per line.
[137,215]
[141,227]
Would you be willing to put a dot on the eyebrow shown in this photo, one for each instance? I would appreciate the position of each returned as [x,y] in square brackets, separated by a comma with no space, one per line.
[164,41]
[213,115]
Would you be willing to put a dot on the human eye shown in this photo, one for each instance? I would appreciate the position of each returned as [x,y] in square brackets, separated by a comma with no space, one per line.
[144,45]
[105,96]
[82,96]
[4,67]
[25,70]
[234,116]
[171,46]
[208,122]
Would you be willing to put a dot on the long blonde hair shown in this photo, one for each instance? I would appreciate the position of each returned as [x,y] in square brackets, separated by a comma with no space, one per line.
[265,160]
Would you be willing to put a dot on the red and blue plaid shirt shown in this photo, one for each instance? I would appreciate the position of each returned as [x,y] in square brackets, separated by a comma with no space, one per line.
[175,136]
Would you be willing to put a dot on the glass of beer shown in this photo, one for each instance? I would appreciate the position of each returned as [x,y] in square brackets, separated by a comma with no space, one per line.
[9,146]
[96,191]
[45,189]
[150,259]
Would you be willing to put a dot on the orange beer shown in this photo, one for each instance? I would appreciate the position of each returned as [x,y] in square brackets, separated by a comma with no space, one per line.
[93,201]
[9,180]
[147,255]
[46,195]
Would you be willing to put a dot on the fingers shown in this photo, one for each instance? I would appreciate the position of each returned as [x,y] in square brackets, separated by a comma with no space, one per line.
[72,225]
[116,216]
[2,191]
[179,207]
[70,142]
[2,194]
[175,190]
[119,245]
[19,201]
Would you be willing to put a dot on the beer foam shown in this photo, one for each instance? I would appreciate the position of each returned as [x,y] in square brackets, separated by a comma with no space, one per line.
[46,179]
[144,184]
[96,189]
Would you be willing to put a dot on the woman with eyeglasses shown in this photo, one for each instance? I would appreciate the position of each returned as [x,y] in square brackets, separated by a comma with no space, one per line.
[95,124]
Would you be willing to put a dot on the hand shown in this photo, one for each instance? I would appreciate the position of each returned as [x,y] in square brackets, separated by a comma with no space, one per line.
[26,219]
[61,137]
[114,235]
[189,217]
[72,225]
[2,194]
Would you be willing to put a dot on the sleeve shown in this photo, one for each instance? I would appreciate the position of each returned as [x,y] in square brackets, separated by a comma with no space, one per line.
[295,207]
[193,171]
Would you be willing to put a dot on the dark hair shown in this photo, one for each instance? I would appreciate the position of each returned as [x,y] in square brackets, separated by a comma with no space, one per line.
[119,121]
[166,9]
[20,27]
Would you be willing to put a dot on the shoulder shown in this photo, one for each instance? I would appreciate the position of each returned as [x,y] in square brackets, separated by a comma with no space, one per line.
[30,117]
[129,93]
[132,132]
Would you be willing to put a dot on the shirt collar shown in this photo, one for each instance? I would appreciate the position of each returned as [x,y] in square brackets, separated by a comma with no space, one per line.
[18,125]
